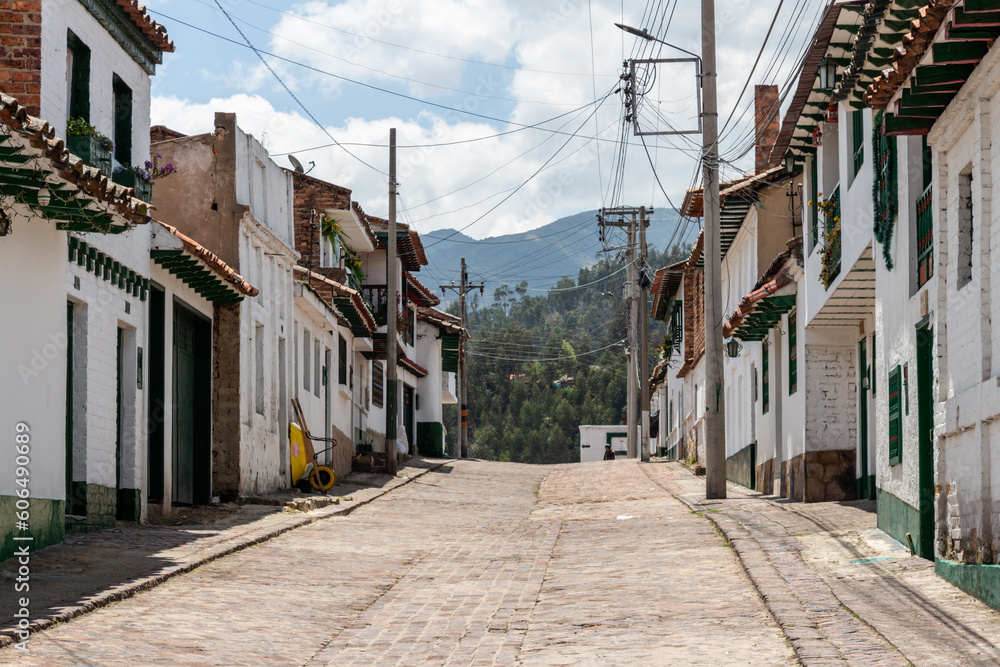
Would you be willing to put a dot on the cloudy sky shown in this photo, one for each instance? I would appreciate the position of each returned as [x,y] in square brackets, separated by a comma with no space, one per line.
[505,110]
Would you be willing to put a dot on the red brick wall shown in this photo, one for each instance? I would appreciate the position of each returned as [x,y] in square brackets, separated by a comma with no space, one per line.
[766,125]
[312,194]
[21,52]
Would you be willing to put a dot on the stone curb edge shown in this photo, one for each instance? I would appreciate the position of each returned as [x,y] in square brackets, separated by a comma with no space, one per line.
[146,583]
[701,509]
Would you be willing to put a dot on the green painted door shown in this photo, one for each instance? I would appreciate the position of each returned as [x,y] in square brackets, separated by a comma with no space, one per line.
[925,439]
[865,487]
[69,407]
[118,415]
[191,441]
[156,407]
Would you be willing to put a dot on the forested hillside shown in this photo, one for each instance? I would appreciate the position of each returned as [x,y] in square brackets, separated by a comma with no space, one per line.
[540,365]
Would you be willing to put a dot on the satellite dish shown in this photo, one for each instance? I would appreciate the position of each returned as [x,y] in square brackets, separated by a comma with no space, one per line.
[296,164]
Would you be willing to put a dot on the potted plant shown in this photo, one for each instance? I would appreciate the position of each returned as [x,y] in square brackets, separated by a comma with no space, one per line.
[88,144]
[141,178]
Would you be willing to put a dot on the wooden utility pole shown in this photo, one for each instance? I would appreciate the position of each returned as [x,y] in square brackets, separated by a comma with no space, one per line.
[462,437]
[391,287]
[643,354]
[633,220]
[715,425]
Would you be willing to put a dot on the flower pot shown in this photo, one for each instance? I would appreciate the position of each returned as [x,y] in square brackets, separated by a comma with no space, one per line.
[143,188]
[90,150]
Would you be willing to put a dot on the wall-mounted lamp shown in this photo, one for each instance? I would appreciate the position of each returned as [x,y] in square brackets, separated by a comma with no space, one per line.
[44,197]
[817,137]
[831,113]
[733,348]
[827,74]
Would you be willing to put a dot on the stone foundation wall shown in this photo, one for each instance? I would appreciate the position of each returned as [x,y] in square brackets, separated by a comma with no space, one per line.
[816,477]
[765,477]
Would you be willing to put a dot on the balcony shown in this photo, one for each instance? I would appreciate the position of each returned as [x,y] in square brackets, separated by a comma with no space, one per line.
[925,237]
[143,186]
[93,150]
[831,239]
[376,296]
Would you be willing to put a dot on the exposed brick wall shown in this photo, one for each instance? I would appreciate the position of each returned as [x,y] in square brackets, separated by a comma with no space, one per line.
[766,125]
[21,52]
[312,194]
[226,402]
[694,314]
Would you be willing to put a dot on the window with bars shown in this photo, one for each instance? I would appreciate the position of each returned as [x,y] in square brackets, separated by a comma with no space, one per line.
[341,360]
[766,380]
[793,359]
[378,382]
[676,327]
[122,121]
[857,141]
[895,417]
[78,75]
[925,221]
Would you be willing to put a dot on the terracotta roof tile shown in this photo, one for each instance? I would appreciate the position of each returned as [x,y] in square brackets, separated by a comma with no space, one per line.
[213,261]
[154,32]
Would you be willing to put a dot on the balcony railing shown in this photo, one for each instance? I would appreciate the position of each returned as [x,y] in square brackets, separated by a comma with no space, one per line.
[375,296]
[831,239]
[925,237]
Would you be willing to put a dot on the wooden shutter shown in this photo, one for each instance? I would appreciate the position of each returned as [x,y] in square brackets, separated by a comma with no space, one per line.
[793,361]
[895,417]
[766,392]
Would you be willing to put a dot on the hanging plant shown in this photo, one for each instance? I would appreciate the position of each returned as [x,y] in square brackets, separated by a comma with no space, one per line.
[885,198]
[78,127]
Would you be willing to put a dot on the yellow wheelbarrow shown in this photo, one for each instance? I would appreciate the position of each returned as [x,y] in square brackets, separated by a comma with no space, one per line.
[304,462]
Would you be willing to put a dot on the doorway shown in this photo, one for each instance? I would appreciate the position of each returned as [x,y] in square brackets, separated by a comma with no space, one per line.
[156,406]
[865,482]
[191,442]
[925,437]
[408,417]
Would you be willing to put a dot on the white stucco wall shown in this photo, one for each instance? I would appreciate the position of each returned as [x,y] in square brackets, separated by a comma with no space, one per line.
[266,261]
[265,187]
[107,58]
[33,355]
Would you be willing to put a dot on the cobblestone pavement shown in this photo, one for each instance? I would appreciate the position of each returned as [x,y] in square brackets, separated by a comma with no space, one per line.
[473,564]
[844,592]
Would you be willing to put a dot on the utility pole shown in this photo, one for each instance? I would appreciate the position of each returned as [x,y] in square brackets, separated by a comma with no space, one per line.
[391,279]
[633,220]
[643,355]
[462,437]
[715,425]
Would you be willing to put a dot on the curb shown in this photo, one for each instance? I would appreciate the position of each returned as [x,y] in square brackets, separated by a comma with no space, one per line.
[129,590]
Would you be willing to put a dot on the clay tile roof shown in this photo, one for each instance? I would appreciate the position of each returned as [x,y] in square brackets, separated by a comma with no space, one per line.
[423,294]
[213,261]
[154,32]
[443,321]
[908,56]
[89,180]
[344,297]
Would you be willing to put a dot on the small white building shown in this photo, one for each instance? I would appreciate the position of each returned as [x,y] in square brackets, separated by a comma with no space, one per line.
[593,440]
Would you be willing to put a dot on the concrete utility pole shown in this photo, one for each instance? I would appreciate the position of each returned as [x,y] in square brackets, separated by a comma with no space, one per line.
[633,220]
[643,356]
[715,424]
[462,437]
[391,279]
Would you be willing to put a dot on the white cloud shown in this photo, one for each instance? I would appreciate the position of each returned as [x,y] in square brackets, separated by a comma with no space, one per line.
[539,38]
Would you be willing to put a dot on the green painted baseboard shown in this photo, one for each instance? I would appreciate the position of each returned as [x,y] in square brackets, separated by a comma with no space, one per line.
[46,524]
[981,581]
[741,467]
[897,518]
[99,504]
[865,487]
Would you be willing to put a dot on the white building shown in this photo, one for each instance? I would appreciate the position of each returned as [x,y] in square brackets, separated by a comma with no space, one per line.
[229,196]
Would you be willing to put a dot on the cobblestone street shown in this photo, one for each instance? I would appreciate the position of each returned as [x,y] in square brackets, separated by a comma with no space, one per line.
[466,565]
[479,563]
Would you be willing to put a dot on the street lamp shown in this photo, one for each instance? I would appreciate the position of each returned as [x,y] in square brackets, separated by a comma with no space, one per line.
[827,74]
[790,162]
[645,35]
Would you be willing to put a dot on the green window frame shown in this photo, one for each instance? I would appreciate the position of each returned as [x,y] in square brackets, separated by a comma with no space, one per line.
[378,383]
[874,374]
[858,140]
[813,204]
[895,416]
[79,77]
[766,384]
[676,326]
[793,357]
[925,222]
[123,121]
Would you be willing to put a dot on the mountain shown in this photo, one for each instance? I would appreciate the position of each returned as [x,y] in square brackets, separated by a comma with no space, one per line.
[541,256]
